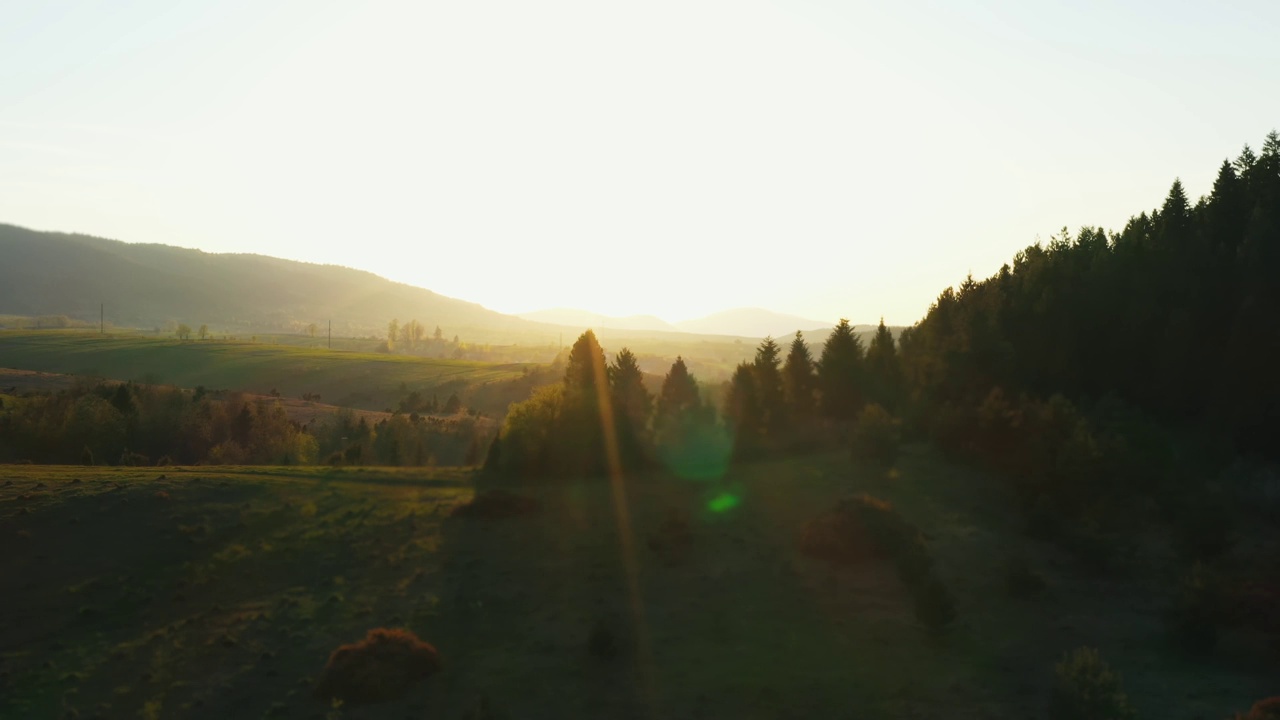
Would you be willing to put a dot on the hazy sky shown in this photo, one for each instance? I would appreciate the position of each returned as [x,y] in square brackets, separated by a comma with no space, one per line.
[823,158]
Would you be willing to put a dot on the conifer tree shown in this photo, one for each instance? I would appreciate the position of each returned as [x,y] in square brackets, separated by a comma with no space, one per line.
[883,372]
[679,395]
[631,400]
[742,411]
[768,385]
[798,378]
[840,373]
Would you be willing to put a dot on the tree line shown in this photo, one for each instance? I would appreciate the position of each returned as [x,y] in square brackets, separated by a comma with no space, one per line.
[602,414]
[129,424]
[1091,372]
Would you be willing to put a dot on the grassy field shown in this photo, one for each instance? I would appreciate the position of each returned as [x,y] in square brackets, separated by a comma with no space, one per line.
[216,593]
[361,380]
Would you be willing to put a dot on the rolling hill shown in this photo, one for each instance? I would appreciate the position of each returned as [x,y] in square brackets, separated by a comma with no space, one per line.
[142,285]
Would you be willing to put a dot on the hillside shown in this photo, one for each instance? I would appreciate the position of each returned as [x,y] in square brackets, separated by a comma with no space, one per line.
[47,273]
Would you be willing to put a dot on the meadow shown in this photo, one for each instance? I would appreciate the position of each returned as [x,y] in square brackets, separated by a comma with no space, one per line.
[368,381]
[220,592]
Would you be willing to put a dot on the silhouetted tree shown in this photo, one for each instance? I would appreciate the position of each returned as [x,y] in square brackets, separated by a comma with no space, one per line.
[799,379]
[183,331]
[679,395]
[743,413]
[768,385]
[393,332]
[203,331]
[883,374]
[840,373]
[631,403]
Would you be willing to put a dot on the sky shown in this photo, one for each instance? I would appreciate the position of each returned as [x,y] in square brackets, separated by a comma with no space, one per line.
[826,158]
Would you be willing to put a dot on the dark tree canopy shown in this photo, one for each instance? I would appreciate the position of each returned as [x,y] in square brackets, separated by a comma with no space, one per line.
[840,373]
[799,379]
[679,393]
[1175,314]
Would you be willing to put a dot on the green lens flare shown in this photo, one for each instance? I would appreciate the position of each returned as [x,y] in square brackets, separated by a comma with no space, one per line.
[724,502]
[701,453]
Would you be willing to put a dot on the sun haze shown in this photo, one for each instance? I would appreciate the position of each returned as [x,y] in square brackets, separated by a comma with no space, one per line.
[671,158]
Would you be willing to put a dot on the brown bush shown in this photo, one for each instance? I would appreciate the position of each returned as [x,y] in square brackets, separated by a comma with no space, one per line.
[1268,709]
[497,505]
[382,666]
[862,528]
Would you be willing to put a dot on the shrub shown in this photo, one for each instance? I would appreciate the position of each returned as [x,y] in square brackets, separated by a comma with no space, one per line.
[1268,709]
[933,604]
[1021,581]
[875,437]
[133,459]
[497,505]
[382,666]
[1085,688]
[862,528]
[1193,617]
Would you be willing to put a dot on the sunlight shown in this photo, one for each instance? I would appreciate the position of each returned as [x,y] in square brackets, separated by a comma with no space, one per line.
[623,514]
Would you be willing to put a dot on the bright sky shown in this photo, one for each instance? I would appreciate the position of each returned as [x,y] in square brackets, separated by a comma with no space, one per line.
[816,157]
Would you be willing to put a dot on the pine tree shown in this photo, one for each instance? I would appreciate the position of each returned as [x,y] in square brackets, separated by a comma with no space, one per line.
[742,411]
[840,373]
[1228,216]
[883,373]
[768,384]
[798,378]
[585,370]
[679,395]
[631,400]
[1174,229]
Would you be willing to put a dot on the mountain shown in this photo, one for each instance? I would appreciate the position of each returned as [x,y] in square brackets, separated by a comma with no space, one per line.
[572,317]
[752,323]
[145,285]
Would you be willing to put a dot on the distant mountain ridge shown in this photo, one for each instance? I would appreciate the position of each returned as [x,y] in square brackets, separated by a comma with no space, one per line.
[143,285]
[573,317]
[153,285]
[752,322]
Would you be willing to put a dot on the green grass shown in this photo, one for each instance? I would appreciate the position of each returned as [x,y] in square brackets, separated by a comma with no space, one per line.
[223,596]
[362,380]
